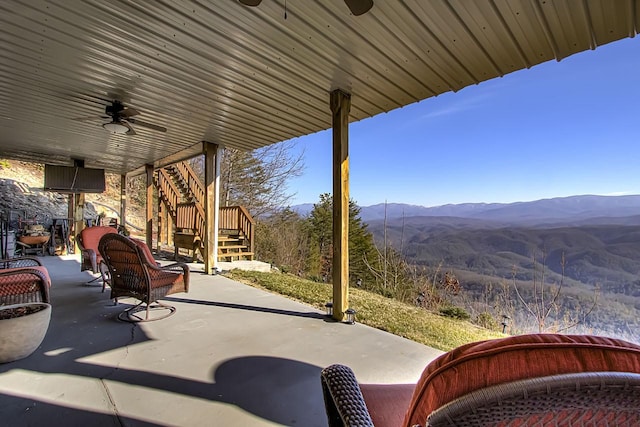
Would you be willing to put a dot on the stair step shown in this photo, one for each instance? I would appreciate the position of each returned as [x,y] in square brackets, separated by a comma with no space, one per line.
[238,255]
[227,247]
[223,239]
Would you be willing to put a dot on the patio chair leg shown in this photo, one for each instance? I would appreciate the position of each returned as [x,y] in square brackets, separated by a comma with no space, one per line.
[134,314]
[93,280]
[104,273]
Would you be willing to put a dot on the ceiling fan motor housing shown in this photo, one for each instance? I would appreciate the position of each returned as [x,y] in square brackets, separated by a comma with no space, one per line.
[114,108]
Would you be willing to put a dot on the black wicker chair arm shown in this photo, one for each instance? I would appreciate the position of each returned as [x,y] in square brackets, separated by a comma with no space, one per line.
[178,267]
[25,285]
[587,398]
[26,261]
[343,398]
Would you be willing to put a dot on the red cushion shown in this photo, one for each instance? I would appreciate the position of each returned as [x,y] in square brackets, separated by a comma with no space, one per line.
[482,364]
[91,236]
[387,403]
[6,277]
[145,250]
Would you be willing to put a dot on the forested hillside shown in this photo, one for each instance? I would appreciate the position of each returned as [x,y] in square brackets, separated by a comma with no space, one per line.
[600,260]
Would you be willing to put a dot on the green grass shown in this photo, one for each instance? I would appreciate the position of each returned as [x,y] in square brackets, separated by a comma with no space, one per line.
[374,310]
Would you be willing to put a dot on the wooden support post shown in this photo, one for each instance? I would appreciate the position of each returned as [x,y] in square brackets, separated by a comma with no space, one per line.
[340,106]
[159,226]
[76,210]
[123,200]
[211,204]
[169,229]
[72,226]
[149,223]
[78,217]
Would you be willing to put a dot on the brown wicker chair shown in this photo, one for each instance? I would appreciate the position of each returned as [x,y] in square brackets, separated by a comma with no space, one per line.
[23,280]
[538,379]
[90,258]
[134,273]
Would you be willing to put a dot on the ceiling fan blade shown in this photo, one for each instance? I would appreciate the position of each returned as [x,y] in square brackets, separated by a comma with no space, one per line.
[130,132]
[128,112]
[250,2]
[359,7]
[147,125]
[88,118]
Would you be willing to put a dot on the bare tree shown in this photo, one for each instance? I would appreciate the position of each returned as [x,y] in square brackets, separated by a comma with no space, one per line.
[544,304]
[258,179]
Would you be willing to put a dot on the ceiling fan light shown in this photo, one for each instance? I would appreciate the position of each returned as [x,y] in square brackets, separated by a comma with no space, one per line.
[115,127]
[250,2]
[359,7]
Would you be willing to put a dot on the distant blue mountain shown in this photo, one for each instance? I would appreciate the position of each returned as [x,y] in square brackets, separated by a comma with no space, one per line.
[545,211]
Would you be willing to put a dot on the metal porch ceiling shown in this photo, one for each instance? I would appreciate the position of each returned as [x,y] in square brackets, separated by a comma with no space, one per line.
[246,77]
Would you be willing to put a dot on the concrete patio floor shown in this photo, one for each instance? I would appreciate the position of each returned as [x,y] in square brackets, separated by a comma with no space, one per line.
[232,355]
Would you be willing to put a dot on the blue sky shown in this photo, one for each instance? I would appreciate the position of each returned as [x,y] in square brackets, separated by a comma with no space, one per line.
[558,129]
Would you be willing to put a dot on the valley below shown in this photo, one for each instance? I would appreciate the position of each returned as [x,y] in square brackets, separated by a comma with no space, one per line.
[586,246]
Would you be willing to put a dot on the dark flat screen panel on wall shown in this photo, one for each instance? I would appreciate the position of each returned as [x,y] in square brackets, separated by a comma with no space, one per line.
[70,179]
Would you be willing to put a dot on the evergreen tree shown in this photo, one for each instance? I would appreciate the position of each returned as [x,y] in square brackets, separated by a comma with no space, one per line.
[361,247]
[321,238]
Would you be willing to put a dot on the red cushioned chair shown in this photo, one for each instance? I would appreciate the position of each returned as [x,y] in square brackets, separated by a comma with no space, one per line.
[134,273]
[90,258]
[538,379]
[23,280]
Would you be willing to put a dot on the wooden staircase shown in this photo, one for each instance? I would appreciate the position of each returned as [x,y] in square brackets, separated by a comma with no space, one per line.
[182,193]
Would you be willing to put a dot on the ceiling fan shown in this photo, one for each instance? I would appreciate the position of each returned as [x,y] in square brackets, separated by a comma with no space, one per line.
[122,119]
[357,7]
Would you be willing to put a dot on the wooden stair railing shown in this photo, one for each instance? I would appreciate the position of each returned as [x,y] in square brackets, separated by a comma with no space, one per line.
[193,186]
[167,191]
[190,216]
[235,222]
[238,218]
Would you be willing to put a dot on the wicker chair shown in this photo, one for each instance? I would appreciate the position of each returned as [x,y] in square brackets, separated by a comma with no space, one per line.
[23,280]
[134,273]
[90,258]
[539,379]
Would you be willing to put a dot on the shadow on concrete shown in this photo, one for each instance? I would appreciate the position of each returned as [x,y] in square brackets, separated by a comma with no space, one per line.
[36,412]
[84,324]
[308,314]
[267,387]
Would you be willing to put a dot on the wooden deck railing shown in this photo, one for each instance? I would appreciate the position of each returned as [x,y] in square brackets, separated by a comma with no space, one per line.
[237,218]
[191,215]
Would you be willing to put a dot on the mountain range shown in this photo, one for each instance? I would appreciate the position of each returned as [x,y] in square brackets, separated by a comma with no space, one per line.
[587,242]
[546,211]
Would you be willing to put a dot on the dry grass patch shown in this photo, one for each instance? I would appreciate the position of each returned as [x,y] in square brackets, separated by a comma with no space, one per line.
[374,310]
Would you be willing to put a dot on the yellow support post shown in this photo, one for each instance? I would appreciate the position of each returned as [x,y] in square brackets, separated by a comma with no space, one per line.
[211,204]
[340,106]
[123,200]
[149,202]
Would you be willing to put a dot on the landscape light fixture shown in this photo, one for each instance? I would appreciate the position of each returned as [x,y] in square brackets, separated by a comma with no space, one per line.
[116,127]
[351,316]
[329,307]
[505,323]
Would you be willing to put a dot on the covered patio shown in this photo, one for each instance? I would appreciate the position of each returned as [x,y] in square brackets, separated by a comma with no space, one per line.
[231,355]
[216,75]
[132,87]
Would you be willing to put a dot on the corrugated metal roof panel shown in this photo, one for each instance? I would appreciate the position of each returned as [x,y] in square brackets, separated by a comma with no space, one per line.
[246,77]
